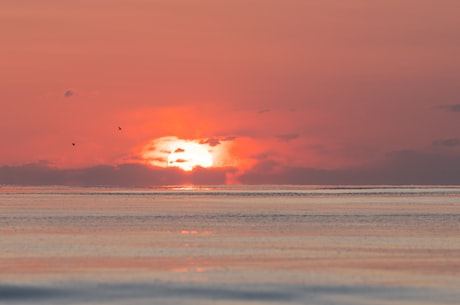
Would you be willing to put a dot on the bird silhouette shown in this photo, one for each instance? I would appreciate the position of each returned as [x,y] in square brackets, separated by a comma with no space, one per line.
[73,143]
[119,128]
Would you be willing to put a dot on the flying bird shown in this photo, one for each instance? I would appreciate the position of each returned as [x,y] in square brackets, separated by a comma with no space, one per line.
[69,93]
[119,128]
[73,143]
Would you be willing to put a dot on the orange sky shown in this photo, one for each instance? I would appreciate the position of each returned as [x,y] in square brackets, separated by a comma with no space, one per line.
[286,88]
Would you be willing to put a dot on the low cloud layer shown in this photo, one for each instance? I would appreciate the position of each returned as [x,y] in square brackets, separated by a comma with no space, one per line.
[401,167]
[129,175]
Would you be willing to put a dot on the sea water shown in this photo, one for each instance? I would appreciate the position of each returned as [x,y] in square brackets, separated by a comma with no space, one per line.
[230,245]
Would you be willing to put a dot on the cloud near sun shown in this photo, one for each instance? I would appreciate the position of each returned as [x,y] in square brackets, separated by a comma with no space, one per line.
[397,168]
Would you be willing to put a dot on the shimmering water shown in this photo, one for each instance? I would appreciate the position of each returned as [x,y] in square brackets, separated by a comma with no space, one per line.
[230,245]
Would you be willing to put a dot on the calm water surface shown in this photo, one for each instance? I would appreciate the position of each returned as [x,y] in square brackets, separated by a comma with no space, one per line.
[230,245]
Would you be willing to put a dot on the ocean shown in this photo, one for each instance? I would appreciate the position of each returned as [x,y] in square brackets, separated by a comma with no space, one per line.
[230,245]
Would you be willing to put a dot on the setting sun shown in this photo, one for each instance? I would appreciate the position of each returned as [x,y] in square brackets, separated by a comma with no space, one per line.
[184,154]
[188,155]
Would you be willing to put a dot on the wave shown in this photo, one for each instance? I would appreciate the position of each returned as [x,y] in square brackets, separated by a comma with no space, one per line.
[195,293]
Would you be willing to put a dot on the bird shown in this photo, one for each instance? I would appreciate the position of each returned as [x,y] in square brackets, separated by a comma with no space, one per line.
[119,128]
[73,143]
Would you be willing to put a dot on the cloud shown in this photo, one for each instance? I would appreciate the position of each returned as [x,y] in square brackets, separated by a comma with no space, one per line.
[179,150]
[179,161]
[217,140]
[452,142]
[70,93]
[123,175]
[262,156]
[211,141]
[228,138]
[287,137]
[449,108]
[265,110]
[266,166]
[399,168]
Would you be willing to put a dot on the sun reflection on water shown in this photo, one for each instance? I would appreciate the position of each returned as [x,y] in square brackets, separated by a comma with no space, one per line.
[194,232]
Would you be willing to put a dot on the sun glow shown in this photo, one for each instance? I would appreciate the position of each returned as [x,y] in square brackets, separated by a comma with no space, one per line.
[188,155]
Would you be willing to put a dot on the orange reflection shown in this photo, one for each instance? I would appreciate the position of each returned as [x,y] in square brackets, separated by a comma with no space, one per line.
[188,188]
[188,270]
[194,232]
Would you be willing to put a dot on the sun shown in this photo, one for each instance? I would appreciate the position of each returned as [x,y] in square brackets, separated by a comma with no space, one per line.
[187,155]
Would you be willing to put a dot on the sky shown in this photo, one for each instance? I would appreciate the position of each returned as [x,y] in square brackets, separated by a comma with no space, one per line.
[99,92]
